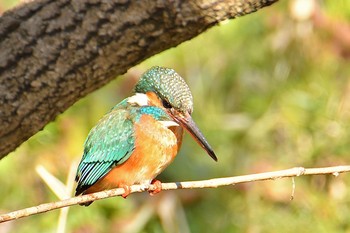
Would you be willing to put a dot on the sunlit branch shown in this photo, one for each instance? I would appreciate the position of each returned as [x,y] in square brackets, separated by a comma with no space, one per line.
[212,183]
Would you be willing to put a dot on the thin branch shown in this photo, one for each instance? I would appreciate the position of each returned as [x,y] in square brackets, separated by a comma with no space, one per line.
[212,183]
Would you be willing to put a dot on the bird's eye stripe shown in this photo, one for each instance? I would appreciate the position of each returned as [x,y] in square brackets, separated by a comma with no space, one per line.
[166,104]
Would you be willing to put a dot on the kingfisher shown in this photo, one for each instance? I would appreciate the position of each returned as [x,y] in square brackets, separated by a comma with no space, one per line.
[139,137]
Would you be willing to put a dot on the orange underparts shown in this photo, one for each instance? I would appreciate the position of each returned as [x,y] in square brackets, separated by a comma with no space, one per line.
[155,148]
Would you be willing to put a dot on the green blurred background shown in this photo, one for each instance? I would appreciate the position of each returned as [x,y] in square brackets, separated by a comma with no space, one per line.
[271,91]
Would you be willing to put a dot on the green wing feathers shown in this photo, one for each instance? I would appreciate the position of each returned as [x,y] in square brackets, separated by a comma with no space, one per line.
[109,143]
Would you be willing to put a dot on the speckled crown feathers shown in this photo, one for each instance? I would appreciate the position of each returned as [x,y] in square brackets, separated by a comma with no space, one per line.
[168,85]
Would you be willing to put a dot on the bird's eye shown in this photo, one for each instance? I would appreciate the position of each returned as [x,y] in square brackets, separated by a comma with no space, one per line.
[166,104]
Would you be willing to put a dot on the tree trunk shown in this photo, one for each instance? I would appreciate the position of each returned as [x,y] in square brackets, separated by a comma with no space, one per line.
[52,53]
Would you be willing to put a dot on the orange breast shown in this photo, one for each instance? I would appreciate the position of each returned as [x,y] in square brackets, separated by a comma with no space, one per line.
[155,148]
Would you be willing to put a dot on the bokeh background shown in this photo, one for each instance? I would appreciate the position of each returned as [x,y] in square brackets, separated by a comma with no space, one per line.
[271,91]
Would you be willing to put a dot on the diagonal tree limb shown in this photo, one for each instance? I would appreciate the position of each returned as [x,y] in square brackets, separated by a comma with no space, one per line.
[212,183]
[52,53]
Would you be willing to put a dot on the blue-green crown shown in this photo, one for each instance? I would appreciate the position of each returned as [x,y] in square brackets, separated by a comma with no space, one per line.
[169,86]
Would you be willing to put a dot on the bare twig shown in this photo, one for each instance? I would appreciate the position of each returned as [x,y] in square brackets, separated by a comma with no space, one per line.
[212,183]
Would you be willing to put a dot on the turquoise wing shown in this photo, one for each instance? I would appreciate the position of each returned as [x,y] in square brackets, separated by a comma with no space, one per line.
[109,143]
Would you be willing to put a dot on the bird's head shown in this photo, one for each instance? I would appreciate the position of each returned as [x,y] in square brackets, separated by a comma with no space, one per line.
[164,88]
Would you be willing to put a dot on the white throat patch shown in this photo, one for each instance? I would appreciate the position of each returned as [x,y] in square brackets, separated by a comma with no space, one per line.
[139,98]
[167,124]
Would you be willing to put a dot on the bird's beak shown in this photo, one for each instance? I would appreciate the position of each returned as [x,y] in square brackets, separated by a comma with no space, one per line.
[185,120]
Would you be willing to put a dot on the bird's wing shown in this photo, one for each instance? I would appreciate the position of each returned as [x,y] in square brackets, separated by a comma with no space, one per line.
[109,143]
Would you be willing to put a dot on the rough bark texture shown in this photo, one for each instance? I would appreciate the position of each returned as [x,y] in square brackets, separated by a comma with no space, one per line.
[52,53]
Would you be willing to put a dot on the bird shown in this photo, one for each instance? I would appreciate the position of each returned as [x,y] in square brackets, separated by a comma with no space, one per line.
[139,137]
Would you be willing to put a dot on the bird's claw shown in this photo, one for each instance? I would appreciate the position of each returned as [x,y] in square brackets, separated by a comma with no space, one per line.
[127,191]
[158,188]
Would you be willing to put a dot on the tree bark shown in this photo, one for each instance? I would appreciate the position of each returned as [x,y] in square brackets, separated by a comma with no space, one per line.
[52,53]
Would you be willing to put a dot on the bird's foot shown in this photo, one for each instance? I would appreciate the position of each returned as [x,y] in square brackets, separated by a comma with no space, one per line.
[127,191]
[158,188]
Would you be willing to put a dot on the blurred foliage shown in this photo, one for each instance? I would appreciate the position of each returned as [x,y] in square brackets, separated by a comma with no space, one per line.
[271,91]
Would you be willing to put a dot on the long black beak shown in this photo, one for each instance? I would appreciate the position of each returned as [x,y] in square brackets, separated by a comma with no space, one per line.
[187,122]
